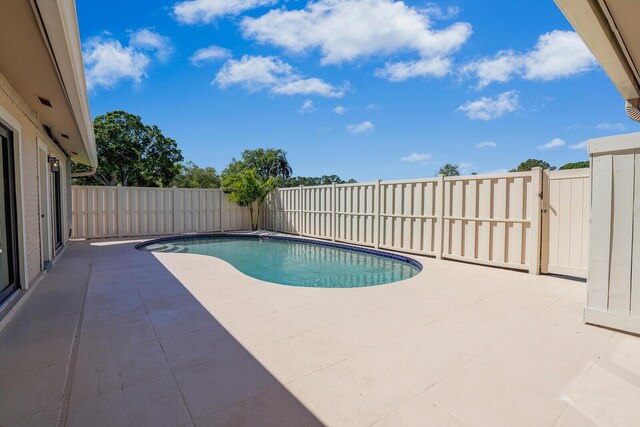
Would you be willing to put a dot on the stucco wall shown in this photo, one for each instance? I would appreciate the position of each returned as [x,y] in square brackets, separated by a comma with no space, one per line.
[28,192]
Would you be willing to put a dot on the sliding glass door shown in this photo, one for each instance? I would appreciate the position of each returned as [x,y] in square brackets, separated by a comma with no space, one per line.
[8,220]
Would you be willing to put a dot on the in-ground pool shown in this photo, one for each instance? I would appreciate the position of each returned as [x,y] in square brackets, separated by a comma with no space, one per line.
[295,262]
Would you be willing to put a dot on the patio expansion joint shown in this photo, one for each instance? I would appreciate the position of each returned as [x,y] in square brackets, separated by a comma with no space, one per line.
[63,413]
[166,359]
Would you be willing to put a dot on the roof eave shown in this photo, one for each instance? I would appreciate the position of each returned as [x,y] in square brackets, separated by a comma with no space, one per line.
[60,20]
[597,31]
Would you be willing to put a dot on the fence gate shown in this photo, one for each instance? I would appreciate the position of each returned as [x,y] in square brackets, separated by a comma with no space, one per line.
[565,222]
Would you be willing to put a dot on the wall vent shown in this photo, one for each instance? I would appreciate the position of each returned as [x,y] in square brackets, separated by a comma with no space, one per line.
[633,109]
[44,101]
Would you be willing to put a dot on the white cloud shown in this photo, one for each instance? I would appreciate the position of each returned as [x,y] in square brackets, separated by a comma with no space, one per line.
[307,106]
[579,146]
[254,72]
[400,71]
[107,63]
[554,143]
[311,86]
[206,11]
[556,55]
[437,12]
[363,127]
[267,72]
[486,144]
[146,39]
[610,126]
[347,30]
[374,107]
[487,108]
[499,68]
[339,110]
[208,54]
[416,157]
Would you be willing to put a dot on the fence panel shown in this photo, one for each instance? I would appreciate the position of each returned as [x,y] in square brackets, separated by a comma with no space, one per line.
[354,213]
[316,209]
[567,199]
[408,216]
[94,211]
[487,219]
[147,211]
[134,211]
[282,210]
[197,210]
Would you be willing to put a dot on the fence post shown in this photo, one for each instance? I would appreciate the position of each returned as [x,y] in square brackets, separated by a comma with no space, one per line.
[536,230]
[224,205]
[333,211]
[176,217]
[300,221]
[376,209]
[122,211]
[439,232]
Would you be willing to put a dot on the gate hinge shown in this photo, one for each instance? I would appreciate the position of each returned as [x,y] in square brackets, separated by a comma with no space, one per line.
[541,194]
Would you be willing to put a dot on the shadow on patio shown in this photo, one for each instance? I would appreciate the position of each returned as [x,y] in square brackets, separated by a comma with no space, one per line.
[148,352]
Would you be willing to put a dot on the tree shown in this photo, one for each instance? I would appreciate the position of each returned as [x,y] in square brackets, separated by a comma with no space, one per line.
[529,164]
[270,162]
[193,176]
[575,165]
[296,181]
[248,189]
[449,170]
[131,153]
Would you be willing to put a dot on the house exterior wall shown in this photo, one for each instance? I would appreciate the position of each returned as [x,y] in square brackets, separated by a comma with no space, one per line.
[15,113]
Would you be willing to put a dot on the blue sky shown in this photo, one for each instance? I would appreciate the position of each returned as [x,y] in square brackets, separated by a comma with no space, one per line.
[364,89]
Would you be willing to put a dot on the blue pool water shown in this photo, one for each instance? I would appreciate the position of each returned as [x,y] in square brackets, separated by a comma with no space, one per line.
[295,262]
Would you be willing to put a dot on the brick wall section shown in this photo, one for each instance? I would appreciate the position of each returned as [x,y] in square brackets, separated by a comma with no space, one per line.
[32,130]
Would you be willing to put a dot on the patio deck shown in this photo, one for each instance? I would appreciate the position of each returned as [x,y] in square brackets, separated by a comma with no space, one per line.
[115,336]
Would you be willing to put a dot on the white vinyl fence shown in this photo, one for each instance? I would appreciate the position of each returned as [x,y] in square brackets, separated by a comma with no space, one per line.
[535,221]
[132,211]
[486,219]
[613,289]
[565,222]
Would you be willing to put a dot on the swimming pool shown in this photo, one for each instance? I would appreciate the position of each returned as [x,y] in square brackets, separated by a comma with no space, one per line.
[295,262]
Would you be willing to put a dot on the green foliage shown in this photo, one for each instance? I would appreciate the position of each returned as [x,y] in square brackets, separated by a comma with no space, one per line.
[529,164]
[193,176]
[449,170]
[575,165]
[296,181]
[131,153]
[248,189]
[270,162]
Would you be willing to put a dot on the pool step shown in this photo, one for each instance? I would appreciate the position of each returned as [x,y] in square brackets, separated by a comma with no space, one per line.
[171,248]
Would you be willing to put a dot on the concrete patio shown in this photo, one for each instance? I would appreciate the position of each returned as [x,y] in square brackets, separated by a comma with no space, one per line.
[116,336]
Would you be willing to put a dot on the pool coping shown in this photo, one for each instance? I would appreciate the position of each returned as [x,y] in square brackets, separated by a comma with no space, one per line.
[397,257]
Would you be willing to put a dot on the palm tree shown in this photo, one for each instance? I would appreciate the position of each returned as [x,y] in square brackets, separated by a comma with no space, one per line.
[280,165]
